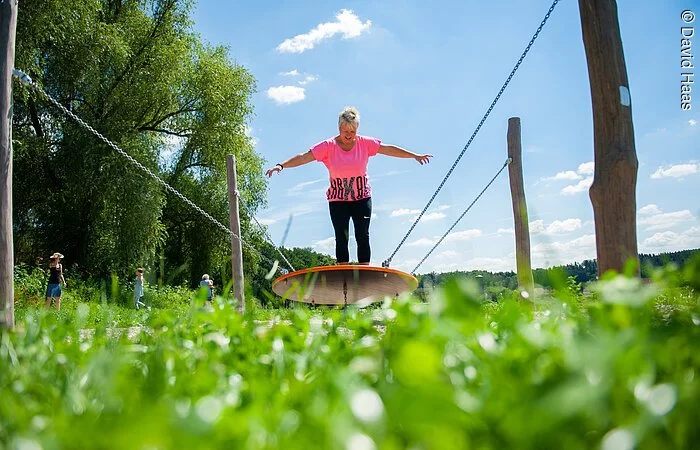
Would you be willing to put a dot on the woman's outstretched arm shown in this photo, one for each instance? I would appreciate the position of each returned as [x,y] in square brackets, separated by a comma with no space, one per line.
[398,152]
[294,161]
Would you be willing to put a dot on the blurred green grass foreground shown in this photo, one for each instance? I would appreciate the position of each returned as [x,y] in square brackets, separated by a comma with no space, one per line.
[618,368]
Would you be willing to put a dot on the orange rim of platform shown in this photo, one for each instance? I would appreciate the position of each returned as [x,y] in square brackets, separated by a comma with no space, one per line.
[361,267]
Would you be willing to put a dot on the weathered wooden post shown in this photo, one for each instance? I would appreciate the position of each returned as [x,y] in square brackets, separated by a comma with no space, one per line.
[613,193]
[8,25]
[235,225]
[517,193]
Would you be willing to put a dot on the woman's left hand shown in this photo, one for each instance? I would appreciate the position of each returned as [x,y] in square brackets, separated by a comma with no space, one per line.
[423,159]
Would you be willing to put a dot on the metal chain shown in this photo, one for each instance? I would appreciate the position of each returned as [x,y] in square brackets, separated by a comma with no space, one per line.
[24,78]
[508,161]
[476,131]
[264,230]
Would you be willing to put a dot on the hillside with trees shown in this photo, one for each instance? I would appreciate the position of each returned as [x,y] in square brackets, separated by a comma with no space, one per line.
[497,283]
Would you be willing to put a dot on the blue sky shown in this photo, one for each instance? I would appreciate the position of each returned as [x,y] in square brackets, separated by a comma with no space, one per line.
[422,75]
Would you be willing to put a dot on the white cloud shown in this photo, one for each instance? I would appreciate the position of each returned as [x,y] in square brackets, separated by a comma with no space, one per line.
[660,220]
[404,212]
[449,262]
[586,168]
[422,242]
[556,227]
[347,24]
[585,241]
[325,245]
[463,235]
[563,226]
[581,186]
[692,122]
[452,237]
[406,264]
[505,231]
[429,216]
[676,170]
[583,170]
[537,226]
[297,209]
[533,149]
[566,175]
[492,264]
[670,241]
[308,79]
[291,73]
[443,207]
[649,209]
[284,95]
[547,254]
[305,188]
[249,132]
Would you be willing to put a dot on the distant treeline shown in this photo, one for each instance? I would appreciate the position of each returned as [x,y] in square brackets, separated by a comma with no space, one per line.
[493,284]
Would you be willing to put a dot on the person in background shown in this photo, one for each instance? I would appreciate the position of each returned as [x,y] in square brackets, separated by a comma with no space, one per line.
[53,289]
[138,289]
[209,284]
[349,195]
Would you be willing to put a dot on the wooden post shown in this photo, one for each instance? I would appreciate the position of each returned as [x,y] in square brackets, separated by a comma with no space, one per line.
[236,246]
[8,25]
[517,193]
[613,192]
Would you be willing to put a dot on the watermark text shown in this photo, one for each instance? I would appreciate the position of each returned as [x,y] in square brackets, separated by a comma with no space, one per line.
[687,59]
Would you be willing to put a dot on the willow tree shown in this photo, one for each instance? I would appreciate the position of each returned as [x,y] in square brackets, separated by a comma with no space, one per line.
[138,73]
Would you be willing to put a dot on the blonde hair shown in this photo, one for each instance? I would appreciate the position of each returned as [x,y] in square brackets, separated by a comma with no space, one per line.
[205,277]
[349,115]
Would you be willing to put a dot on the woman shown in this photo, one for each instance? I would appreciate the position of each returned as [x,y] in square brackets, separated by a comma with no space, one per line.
[349,195]
[138,289]
[53,288]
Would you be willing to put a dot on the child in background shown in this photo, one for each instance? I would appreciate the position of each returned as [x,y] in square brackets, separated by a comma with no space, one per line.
[209,284]
[138,289]
[210,294]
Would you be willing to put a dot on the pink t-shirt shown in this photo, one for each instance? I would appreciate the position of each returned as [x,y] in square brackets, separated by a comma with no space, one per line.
[348,170]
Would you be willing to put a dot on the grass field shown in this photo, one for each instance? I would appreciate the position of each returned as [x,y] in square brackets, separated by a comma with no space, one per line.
[617,369]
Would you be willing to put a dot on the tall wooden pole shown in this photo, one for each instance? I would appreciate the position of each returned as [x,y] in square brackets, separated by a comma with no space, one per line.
[8,25]
[517,193]
[613,192]
[236,247]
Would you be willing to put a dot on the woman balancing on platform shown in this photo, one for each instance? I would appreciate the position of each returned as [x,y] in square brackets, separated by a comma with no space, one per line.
[349,195]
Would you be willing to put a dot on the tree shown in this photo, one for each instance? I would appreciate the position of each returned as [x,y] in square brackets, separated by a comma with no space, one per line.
[138,74]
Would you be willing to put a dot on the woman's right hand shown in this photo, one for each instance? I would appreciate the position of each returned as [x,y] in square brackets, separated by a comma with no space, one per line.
[272,170]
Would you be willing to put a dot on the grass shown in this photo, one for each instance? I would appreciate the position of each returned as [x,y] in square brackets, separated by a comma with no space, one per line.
[614,370]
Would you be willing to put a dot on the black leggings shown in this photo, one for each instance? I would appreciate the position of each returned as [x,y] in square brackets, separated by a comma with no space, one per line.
[361,212]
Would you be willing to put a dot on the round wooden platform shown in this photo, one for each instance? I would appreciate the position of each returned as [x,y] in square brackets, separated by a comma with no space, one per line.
[343,284]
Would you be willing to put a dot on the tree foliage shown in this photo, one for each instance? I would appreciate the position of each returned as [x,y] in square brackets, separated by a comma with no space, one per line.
[137,73]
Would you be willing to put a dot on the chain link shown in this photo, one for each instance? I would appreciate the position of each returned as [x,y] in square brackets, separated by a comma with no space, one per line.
[387,262]
[24,78]
[508,161]
[264,230]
